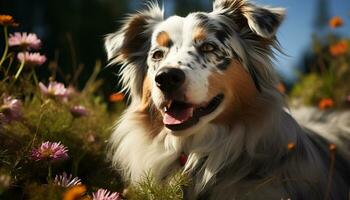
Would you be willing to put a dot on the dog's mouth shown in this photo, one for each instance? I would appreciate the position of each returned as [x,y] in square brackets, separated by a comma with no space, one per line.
[181,115]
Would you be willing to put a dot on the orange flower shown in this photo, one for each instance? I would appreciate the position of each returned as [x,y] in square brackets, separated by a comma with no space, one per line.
[116,97]
[281,88]
[326,103]
[335,22]
[291,146]
[75,193]
[7,20]
[339,48]
[332,147]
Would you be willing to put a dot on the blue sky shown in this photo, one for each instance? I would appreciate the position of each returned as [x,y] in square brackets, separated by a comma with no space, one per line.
[297,29]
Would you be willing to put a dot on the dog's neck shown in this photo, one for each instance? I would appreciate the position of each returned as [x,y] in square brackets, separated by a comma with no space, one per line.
[263,138]
[216,147]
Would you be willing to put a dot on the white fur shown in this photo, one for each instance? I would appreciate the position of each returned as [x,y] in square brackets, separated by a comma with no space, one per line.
[331,124]
[248,159]
[135,153]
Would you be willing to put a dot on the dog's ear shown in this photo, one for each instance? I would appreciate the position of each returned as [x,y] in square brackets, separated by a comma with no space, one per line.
[264,21]
[132,40]
[129,47]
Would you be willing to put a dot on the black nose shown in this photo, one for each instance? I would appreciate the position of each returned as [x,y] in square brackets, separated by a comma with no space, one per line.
[169,79]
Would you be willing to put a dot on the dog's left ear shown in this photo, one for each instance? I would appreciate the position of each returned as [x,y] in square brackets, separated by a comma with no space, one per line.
[264,21]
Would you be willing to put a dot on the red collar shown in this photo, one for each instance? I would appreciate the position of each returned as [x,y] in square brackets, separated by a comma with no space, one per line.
[183,159]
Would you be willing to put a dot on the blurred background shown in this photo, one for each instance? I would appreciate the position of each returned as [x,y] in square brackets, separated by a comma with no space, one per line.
[72,31]
[314,71]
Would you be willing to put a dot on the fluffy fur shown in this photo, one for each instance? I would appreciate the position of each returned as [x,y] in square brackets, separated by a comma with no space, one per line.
[249,147]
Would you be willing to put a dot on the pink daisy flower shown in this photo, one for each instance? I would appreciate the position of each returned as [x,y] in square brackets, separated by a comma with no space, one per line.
[51,151]
[103,194]
[55,90]
[66,181]
[32,59]
[79,111]
[10,110]
[24,40]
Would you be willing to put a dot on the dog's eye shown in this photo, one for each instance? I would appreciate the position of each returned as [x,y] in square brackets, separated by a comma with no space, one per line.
[207,47]
[157,55]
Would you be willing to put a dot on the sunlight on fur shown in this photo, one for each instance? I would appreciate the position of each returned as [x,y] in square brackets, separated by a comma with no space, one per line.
[213,97]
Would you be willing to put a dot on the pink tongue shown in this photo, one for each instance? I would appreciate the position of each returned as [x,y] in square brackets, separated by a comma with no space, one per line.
[177,117]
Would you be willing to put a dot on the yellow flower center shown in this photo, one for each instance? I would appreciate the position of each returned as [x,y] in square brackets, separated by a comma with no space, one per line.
[46,153]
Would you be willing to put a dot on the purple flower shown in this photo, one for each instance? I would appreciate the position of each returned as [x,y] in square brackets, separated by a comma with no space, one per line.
[51,151]
[24,40]
[103,194]
[55,90]
[79,111]
[10,110]
[32,59]
[66,181]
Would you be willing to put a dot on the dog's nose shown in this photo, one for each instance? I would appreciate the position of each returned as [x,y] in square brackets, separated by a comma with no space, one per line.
[169,79]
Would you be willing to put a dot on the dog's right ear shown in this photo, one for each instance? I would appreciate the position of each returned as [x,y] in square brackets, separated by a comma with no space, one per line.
[129,47]
[133,40]
[263,21]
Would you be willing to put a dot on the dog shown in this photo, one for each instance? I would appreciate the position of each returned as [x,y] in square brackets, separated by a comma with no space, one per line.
[202,87]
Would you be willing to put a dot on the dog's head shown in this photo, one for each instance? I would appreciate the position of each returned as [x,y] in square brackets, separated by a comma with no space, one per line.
[198,69]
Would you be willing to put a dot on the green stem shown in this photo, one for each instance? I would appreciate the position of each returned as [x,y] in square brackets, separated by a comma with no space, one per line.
[38,125]
[76,163]
[49,175]
[19,70]
[10,56]
[6,46]
[35,77]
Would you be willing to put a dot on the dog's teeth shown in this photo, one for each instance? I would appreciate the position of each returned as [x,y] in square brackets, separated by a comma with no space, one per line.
[170,102]
[165,109]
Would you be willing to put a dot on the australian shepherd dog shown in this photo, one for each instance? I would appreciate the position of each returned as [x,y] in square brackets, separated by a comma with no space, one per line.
[203,86]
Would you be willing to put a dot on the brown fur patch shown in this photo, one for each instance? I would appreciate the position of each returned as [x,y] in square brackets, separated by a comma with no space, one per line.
[133,38]
[163,39]
[239,90]
[146,95]
[199,34]
[149,116]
